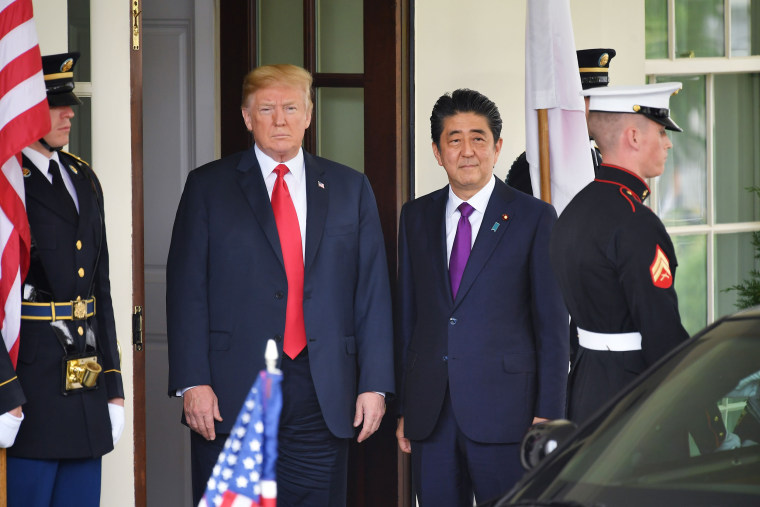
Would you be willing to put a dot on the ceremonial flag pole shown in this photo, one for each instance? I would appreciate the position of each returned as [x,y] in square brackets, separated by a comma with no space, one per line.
[557,146]
[24,118]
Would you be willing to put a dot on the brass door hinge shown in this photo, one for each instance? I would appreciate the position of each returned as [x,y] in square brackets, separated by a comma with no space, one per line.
[136,24]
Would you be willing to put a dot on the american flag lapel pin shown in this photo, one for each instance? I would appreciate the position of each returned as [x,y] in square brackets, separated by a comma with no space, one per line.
[320,185]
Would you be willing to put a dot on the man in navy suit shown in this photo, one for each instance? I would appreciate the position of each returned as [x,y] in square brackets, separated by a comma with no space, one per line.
[482,328]
[276,243]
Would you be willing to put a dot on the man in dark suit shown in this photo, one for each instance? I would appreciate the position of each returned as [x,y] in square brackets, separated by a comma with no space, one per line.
[276,243]
[70,420]
[481,326]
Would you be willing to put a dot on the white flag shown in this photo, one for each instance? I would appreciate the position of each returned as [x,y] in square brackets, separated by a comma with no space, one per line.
[552,82]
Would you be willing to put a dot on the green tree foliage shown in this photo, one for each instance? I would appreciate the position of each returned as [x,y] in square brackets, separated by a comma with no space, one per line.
[749,290]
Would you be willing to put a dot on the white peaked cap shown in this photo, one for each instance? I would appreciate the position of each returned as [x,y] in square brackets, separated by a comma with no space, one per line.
[651,100]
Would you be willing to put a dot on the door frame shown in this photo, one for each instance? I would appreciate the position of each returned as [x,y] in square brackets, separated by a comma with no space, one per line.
[138,251]
[384,479]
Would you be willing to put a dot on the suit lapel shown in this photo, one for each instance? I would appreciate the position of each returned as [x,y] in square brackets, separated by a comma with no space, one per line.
[492,229]
[39,188]
[83,187]
[255,191]
[436,238]
[317,198]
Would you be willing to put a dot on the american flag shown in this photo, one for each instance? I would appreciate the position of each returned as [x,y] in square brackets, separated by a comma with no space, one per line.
[552,82]
[24,118]
[244,475]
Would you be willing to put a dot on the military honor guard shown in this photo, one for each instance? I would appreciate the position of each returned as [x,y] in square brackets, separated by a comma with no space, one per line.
[612,256]
[68,382]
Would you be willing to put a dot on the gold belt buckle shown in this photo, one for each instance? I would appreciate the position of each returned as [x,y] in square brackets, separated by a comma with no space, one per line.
[82,372]
[78,309]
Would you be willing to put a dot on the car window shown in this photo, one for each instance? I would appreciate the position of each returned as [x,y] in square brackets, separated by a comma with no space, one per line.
[690,429]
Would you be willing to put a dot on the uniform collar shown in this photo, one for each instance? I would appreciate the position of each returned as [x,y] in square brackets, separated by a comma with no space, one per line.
[40,161]
[606,173]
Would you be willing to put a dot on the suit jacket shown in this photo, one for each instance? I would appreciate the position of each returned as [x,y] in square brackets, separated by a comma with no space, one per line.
[227,287]
[69,259]
[501,347]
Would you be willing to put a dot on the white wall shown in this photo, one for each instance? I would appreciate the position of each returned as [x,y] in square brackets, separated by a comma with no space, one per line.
[480,44]
[112,156]
[111,150]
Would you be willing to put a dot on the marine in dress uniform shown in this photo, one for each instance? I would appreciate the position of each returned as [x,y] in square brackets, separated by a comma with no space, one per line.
[612,256]
[594,67]
[68,374]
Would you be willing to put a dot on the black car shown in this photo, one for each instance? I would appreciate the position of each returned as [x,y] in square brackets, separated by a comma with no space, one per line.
[687,433]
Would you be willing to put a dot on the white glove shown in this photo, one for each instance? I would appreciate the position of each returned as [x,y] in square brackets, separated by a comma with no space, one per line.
[117,421]
[9,425]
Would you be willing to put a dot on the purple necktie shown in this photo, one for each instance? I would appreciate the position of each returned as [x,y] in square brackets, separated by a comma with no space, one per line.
[461,249]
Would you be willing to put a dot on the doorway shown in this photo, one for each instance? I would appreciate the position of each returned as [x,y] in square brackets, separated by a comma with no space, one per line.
[362,101]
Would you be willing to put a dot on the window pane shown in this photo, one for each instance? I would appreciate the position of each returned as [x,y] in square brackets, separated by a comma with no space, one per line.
[80,136]
[340,125]
[79,37]
[699,28]
[681,191]
[745,27]
[737,147]
[340,44]
[656,12]
[280,32]
[691,280]
[734,259]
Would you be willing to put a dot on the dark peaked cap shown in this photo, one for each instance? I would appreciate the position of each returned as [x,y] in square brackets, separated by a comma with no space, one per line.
[59,79]
[594,66]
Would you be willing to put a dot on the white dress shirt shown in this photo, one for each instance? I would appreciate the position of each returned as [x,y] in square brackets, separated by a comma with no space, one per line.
[478,201]
[42,163]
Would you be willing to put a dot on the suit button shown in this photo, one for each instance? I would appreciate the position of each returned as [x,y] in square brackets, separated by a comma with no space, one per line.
[445,358]
[279,294]
[453,321]
[81,272]
[80,330]
[277,338]
[79,245]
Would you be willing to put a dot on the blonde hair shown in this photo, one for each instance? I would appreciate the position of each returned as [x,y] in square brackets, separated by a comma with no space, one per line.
[273,75]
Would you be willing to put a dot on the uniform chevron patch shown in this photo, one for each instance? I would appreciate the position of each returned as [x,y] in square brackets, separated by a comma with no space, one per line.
[660,270]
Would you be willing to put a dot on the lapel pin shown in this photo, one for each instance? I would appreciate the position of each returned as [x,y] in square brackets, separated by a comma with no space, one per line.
[495,226]
[26,172]
[505,217]
[73,169]
[320,184]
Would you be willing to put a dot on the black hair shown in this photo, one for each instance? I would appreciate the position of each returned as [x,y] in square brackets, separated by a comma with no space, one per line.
[464,100]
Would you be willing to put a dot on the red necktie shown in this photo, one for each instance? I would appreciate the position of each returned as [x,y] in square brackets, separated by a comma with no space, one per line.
[292,254]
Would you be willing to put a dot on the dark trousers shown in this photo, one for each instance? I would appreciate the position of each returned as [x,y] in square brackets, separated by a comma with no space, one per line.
[53,483]
[312,464]
[448,468]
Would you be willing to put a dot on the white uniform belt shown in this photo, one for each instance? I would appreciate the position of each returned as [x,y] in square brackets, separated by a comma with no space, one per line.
[616,342]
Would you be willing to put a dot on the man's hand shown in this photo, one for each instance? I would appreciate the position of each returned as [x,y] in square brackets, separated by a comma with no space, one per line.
[403,443]
[370,408]
[537,420]
[201,409]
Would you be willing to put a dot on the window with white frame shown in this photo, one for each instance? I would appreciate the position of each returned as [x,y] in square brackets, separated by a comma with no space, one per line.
[713,48]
